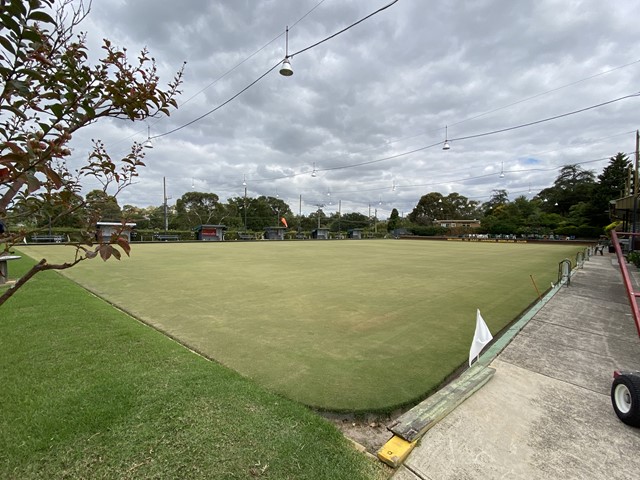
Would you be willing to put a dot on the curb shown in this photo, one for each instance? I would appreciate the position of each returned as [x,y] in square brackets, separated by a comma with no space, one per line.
[411,426]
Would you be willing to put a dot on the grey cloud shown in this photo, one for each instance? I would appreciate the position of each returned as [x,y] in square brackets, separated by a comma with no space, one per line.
[385,87]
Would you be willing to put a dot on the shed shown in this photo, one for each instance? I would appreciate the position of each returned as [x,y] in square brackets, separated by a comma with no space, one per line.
[320,234]
[355,233]
[210,233]
[104,230]
[274,233]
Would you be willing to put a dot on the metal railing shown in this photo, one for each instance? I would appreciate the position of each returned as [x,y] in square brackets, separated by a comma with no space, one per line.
[632,295]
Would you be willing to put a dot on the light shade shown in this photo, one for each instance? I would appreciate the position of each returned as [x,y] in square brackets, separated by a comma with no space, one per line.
[286,68]
[148,143]
[446,145]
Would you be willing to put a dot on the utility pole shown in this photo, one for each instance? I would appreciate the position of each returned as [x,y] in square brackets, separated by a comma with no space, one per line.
[375,221]
[319,205]
[635,190]
[244,183]
[166,217]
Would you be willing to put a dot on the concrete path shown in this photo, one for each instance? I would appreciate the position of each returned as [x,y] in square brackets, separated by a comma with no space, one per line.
[546,413]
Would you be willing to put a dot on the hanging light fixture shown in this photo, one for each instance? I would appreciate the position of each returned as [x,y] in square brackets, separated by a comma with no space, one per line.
[286,69]
[314,172]
[446,145]
[148,143]
[501,169]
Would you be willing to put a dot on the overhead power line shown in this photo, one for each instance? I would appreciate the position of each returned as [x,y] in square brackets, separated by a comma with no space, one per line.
[555,117]
[270,70]
[467,137]
[344,29]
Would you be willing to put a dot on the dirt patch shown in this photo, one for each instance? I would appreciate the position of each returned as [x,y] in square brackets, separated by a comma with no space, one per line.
[369,430]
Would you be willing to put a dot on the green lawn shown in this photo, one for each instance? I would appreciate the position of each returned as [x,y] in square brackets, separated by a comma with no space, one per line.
[349,325]
[88,392]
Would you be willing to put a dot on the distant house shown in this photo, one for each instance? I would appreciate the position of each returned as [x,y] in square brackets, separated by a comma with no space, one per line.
[105,230]
[210,233]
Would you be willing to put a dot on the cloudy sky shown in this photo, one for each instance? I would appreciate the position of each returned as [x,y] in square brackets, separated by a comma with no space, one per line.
[368,108]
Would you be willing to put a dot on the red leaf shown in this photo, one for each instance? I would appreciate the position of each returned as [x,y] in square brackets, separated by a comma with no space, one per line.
[105,251]
[124,245]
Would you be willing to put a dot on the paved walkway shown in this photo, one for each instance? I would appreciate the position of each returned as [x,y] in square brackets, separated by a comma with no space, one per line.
[546,413]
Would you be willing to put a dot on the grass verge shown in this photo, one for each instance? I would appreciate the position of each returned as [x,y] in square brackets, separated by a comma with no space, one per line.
[87,392]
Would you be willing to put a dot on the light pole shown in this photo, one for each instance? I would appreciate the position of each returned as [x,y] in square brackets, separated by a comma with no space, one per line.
[635,191]
[244,184]
[319,205]
[165,206]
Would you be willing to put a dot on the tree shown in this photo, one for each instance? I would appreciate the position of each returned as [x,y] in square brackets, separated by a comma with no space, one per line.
[198,208]
[394,220]
[49,90]
[459,207]
[506,217]
[99,205]
[351,220]
[266,212]
[573,185]
[434,206]
[499,198]
[612,184]
[429,208]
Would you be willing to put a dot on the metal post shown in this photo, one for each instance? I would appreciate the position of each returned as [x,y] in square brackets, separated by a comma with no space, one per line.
[635,192]
[300,214]
[375,221]
[166,218]
[245,209]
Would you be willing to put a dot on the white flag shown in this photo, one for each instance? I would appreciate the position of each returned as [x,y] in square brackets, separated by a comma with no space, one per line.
[480,339]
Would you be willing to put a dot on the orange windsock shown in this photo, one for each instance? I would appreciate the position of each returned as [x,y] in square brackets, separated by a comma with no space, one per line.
[284,222]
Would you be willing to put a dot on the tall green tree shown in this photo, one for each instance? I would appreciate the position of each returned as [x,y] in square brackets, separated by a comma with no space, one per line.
[266,211]
[572,185]
[351,220]
[434,205]
[49,90]
[499,198]
[394,220]
[428,208]
[100,206]
[611,185]
[199,208]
